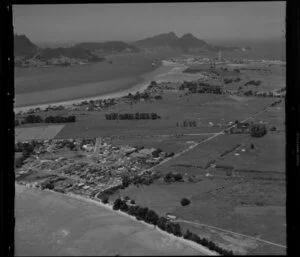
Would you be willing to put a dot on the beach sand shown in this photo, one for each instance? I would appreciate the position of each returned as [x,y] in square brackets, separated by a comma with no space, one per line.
[67,96]
[49,223]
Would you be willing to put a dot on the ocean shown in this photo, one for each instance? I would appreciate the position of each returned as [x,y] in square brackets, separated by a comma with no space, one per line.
[260,49]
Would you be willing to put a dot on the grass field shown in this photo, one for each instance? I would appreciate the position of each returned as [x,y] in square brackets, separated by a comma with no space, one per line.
[268,154]
[274,116]
[172,109]
[252,208]
[168,144]
[37,132]
[204,153]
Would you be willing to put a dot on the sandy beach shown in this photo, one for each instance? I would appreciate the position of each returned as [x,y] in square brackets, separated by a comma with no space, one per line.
[62,93]
[139,87]
[110,208]
[50,223]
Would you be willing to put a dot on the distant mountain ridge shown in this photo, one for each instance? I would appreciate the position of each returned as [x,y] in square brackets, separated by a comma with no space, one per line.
[23,46]
[109,46]
[187,43]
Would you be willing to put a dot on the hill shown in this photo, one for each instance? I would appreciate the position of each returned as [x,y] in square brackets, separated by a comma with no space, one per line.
[23,46]
[186,43]
[71,52]
[108,47]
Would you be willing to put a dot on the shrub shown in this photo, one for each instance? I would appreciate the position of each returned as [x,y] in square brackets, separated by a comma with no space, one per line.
[258,130]
[117,204]
[185,201]
[168,177]
[178,177]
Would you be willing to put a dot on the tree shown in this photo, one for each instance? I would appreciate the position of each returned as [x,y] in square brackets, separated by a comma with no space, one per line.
[117,204]
[178,177]
[125,181]
[132,201]
[252,146]
[185,201]
[177,230]
[151,217]
[168,177]
[143,212]
[153,83]
[187,235]
[258,130]
[161,223]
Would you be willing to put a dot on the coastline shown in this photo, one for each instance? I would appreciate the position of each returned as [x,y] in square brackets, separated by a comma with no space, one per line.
[142,86]
[20,188]
[109,207]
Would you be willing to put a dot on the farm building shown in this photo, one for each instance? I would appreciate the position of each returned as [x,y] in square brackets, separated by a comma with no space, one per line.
[170,216]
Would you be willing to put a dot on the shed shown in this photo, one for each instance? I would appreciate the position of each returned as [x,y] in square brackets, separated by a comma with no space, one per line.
[170,216]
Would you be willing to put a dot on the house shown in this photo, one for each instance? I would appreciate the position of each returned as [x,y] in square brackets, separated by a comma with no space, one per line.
[147,151]
[88,147]
[170,217]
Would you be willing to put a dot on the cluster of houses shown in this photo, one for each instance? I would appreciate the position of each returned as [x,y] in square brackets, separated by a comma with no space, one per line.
[102,165]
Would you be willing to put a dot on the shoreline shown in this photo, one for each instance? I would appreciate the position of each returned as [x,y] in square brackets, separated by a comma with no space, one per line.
[68,103]
[142,86]
[109,208]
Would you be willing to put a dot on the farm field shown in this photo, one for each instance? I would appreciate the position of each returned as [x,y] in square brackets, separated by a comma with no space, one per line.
[274,116]
[37,132]
[252,208]
[166,143]
[268,154]
[271,78]
[172,109]
[205,153]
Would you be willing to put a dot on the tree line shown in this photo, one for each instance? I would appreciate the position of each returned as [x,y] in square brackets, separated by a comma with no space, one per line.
[50,119]
[151,217]
[253,82]
[132,116]
[187,123]
[228,81]
[26,149]
[200,87]
[173,177]
[276,103]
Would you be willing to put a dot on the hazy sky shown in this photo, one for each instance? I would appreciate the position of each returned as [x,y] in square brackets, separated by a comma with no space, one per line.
[101,22]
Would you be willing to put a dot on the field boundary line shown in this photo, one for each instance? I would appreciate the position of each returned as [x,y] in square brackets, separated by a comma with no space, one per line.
[231,232]
[208,139]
